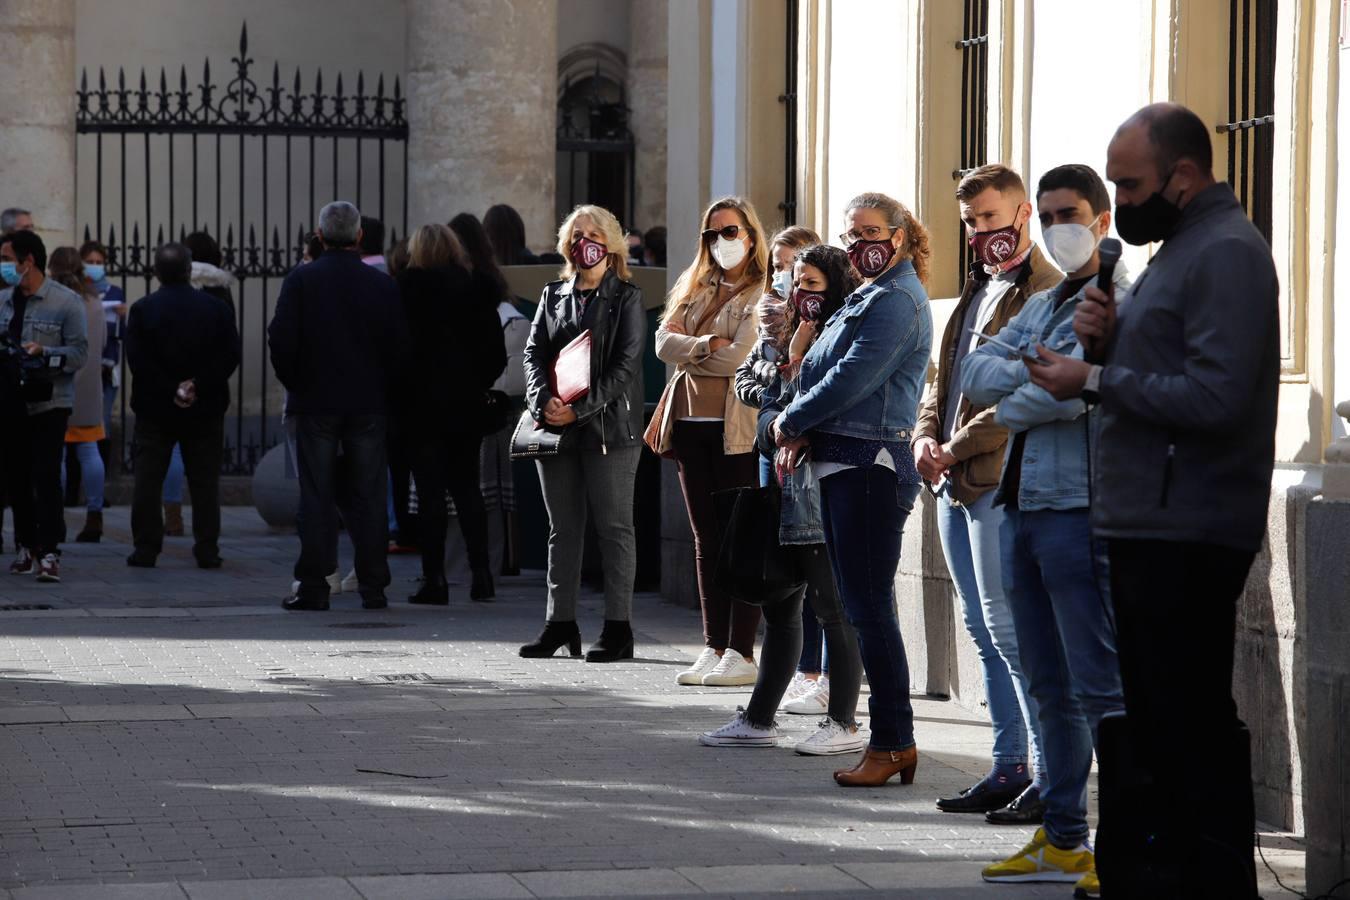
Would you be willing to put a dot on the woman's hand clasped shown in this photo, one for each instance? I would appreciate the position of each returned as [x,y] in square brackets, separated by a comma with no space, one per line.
[558,414]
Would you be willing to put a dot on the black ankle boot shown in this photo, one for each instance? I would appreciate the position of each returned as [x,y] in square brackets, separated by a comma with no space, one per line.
[433,592]
[482,589]
[554,635]
[615,643]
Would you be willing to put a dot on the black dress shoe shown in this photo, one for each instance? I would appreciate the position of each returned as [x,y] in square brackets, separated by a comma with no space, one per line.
[983,797]
[554,635]
[615,643]
[139,560]
[1027,809]
[302,602]
[209,562]
[482,588]
[374,600]
[432,593]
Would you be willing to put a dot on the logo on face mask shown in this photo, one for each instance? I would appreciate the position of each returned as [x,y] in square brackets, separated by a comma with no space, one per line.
[588,254]
[813,306]
[994,248]
[871,257]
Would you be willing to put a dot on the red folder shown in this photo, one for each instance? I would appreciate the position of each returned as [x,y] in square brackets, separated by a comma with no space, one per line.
[572,369]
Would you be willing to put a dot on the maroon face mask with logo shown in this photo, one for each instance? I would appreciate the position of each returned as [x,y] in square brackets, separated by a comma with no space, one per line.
[994,248]
[588,254]
[871,257]
[813,307]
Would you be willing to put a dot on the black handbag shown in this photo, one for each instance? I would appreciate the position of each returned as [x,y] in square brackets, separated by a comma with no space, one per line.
[752,566]
[534,440]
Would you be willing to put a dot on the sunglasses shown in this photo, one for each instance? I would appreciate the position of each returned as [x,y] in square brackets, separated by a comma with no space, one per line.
[730,233]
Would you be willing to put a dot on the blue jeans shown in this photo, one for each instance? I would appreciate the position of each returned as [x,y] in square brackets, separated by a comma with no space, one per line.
[864,512]
[970,543]
[1067,639]
[91,474]
[173,478]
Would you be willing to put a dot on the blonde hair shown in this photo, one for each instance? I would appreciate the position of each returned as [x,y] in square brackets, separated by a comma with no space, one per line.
[701,270]
[915,247]
[433,246]
[614,238]
[794,237]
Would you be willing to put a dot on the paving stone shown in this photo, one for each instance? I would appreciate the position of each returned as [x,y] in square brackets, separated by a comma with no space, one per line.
[607,883]
[168,891]
[440,887]
[271,889]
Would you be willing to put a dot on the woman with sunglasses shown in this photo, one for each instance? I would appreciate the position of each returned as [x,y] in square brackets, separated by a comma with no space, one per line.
[857,399]
[597,470]
[706,332]
[823,278]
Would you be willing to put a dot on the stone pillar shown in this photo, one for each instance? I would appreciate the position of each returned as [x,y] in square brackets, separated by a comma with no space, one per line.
[482,111]
[648,36]
[1327,785]
[37,107]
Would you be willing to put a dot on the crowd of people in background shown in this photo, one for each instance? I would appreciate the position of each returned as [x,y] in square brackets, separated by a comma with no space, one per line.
[1098,448]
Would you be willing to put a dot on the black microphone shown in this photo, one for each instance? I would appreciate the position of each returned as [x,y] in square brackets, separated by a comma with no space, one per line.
[1108,252]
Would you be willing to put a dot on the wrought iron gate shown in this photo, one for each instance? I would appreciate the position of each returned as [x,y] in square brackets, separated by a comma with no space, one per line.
[974,49]
[243,163]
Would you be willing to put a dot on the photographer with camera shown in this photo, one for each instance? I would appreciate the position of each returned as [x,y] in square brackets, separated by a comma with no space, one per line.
[45,341]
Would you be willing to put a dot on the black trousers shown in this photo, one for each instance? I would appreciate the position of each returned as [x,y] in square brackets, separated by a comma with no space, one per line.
[33,448]
[401,450]
[1182,821]
[449,462]
[202,446]
[364,466]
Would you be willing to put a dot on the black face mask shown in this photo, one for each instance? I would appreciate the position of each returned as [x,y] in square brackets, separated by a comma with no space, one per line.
[1153,220]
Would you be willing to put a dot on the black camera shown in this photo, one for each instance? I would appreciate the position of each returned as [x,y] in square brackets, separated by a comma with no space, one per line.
[31,375]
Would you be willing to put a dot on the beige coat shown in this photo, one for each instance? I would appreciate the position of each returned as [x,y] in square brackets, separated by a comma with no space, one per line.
[737,321]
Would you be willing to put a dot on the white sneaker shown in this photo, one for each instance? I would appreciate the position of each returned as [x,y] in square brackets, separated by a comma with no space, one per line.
[335,585]
[799,685]
[740,733]
[349,584]
[702,666]
[832,738]
[732,670]
[814,702]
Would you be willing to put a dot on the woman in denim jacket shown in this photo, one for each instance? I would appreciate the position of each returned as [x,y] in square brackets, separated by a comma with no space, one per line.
[855,408]
[824,276]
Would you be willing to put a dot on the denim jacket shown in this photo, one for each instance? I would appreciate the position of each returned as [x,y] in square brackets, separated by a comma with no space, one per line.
[1055,452]
[800,520]
[55,318]
[863,375]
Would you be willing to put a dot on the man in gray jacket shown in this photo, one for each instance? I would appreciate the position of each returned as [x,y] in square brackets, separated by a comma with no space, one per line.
[46,341]
[1185,367]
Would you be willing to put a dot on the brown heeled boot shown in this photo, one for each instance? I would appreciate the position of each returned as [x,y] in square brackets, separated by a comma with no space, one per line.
[878,767]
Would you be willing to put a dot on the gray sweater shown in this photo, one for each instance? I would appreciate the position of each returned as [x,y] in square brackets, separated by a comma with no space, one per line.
[1185,438]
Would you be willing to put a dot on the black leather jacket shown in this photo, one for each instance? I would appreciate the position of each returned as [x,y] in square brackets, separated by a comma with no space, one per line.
[611,414]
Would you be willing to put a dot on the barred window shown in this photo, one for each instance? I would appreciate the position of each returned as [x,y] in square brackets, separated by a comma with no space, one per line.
[974,49]
[1251,106]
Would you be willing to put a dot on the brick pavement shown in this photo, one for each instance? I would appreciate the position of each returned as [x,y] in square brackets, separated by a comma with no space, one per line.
[174,733]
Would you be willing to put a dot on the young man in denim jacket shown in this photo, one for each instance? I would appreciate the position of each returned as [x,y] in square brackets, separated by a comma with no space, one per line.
[42,320]
[1064,632]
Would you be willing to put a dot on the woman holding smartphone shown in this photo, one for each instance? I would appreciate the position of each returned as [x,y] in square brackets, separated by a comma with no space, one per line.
[855,408]
[823,277]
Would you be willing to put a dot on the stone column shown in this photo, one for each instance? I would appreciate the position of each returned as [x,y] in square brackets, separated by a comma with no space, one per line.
[1327,784]
[482,111]
[648,31]
[37,107]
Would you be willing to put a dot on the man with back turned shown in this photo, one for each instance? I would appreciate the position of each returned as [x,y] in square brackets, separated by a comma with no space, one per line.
[1185,367]
[338,341]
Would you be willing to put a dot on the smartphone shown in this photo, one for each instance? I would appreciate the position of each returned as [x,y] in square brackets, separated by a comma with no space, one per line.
[1029,357]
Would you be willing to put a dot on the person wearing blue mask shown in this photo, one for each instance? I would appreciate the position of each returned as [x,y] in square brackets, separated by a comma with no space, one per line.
[94,255]
[39,319]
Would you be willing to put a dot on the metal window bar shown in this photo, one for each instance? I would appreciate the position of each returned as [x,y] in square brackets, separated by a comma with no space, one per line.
[789,100]
[974,49]
[1251,106]
[255,117]
[594,149]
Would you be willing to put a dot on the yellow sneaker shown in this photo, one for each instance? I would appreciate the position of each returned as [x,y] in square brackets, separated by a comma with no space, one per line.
[1041,861]
[1088,887]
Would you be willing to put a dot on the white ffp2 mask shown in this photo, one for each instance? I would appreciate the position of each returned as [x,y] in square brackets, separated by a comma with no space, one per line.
[729,253]
[1070,246]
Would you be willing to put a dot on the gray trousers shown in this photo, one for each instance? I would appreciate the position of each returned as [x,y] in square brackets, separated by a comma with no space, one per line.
[572,483]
